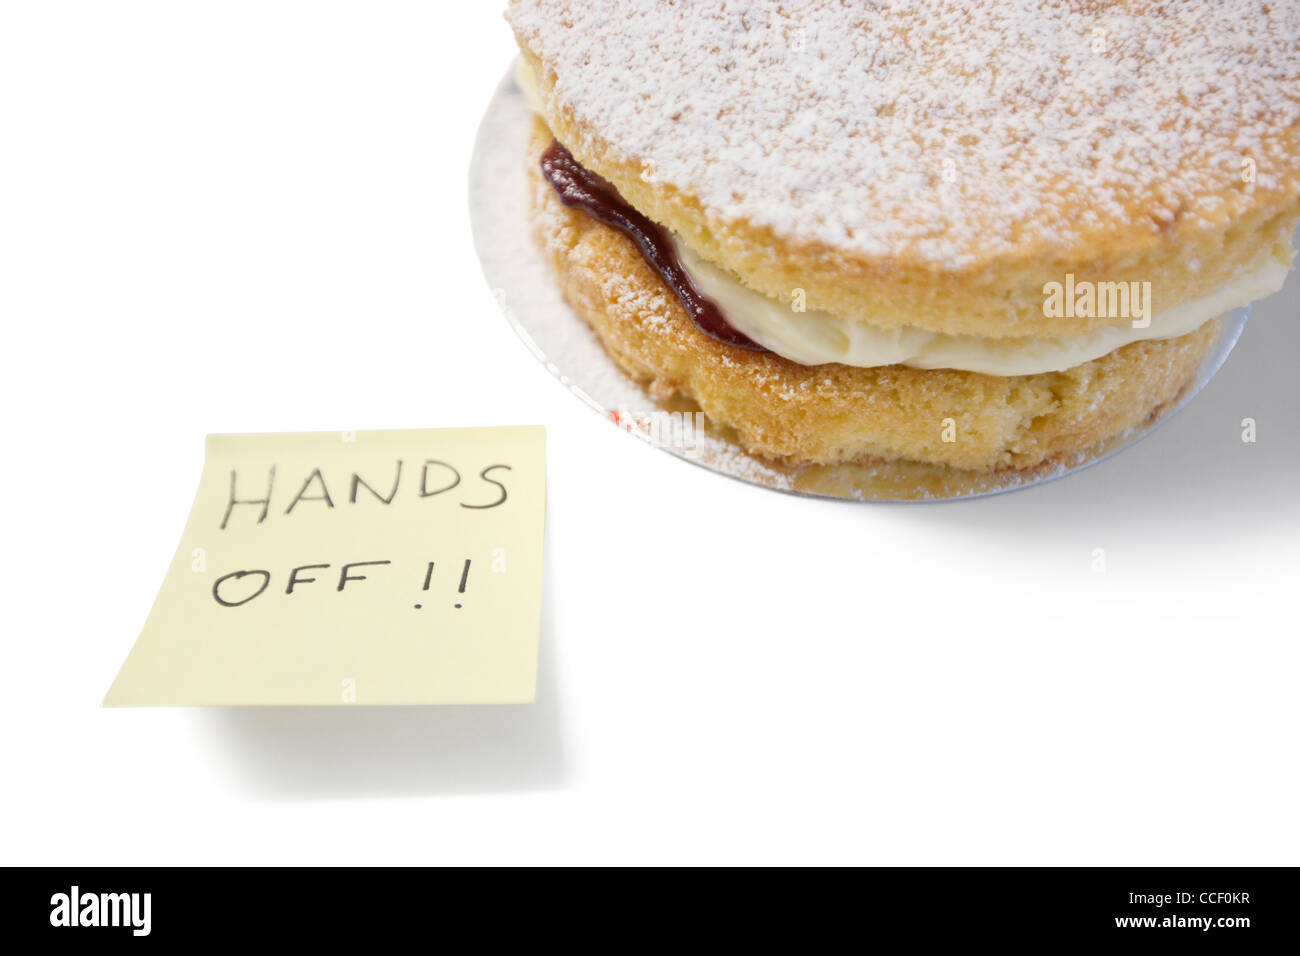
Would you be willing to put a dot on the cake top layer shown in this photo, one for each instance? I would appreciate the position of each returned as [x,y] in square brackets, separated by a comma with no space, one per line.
[939,131]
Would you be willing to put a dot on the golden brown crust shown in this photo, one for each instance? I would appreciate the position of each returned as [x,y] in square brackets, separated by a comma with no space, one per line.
[835,413]
[996,291]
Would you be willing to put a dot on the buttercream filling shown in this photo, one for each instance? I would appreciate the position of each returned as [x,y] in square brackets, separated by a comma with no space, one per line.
[818,338]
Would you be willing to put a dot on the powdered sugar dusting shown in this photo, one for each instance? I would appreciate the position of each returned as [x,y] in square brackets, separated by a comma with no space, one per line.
[932,128]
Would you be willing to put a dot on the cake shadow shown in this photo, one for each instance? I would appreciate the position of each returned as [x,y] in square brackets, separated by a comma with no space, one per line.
[1195,472]
[304,753]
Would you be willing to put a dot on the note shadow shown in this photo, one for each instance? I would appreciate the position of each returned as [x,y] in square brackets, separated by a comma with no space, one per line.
[297,753]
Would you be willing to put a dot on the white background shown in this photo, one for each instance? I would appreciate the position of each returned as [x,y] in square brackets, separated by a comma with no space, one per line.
[252,217]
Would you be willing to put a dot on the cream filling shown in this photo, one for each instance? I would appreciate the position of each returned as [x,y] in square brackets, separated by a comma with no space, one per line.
[818,338]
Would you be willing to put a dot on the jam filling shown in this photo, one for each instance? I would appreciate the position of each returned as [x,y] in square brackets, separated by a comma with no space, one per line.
[580,188]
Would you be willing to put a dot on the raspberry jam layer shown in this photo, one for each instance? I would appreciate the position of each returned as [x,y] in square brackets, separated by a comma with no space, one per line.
[580,188]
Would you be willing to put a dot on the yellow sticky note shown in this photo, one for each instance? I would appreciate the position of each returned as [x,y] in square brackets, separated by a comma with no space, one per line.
[352,568]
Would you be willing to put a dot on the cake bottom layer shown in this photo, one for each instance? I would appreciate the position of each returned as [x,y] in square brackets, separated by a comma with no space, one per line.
[828,414]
